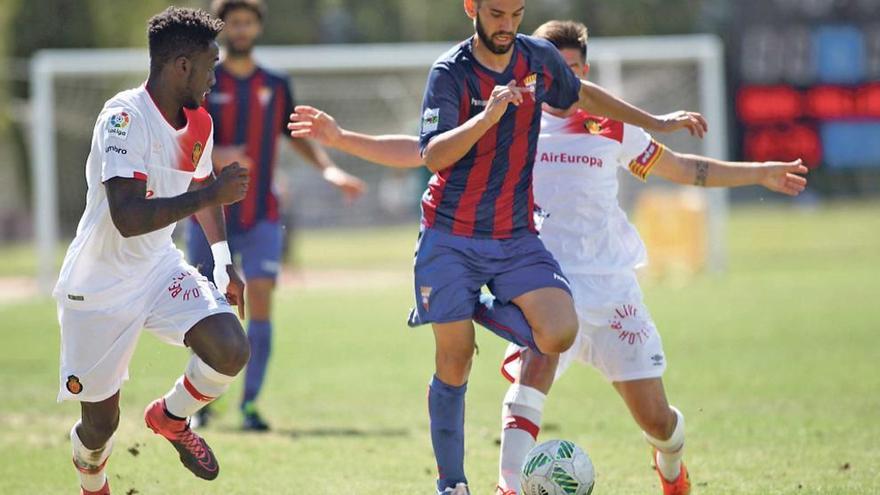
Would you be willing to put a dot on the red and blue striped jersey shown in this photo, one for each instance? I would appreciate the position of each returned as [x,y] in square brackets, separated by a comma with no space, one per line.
[488,193]
[251,112]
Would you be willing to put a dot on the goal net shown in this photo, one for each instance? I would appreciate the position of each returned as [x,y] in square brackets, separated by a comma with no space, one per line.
[374,88]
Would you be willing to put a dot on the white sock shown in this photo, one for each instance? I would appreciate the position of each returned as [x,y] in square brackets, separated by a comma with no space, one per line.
[199,385]
[520,422]
[671,450]
[90,464]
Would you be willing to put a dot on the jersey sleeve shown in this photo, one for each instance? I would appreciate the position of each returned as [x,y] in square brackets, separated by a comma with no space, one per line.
[122,137]
[440,105]
[206,164]
[563,86]
[639,151]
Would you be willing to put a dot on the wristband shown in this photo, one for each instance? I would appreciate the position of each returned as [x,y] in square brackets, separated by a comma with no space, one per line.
[220,251]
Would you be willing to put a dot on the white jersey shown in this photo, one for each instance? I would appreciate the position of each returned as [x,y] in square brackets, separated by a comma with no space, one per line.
[576,184]
[132,140]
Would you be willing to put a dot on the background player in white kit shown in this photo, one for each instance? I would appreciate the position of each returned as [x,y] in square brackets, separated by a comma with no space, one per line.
[598,249]
[150,166]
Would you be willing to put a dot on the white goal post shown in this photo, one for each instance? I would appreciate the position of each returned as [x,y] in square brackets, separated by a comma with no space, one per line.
[611,59]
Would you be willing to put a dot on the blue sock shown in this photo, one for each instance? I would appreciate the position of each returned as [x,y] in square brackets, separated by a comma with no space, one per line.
[446,408]
[260,338]
[504,320]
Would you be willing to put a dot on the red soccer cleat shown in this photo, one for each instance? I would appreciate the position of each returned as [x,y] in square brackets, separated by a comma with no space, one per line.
[680,486]
[105,490]
[194,451]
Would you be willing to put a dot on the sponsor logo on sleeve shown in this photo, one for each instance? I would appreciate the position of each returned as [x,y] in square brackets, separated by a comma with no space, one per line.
[430,120]
[118,125]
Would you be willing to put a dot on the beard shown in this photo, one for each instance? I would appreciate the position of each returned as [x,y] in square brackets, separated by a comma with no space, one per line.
[240,50]
[487,40]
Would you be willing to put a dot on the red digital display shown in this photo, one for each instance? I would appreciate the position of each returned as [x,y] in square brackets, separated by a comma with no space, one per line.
[757,104]
[783,143]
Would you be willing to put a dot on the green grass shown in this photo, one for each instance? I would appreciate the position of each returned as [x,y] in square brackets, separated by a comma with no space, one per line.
[776,366]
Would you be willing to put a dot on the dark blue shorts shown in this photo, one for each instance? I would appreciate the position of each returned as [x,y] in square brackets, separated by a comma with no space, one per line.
[259,248]
[450,270]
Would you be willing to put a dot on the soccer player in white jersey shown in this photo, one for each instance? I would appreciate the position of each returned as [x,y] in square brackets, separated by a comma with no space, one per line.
[150,166]
[576,184]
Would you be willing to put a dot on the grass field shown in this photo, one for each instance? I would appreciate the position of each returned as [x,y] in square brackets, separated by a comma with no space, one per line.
[775,364]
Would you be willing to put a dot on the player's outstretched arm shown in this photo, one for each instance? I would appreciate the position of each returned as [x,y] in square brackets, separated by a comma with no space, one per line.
[598,101]
[446,149]
[390,150]
[133,214]
[782,177]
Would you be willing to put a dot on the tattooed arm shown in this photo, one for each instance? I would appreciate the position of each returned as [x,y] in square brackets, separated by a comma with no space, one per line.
[782,177]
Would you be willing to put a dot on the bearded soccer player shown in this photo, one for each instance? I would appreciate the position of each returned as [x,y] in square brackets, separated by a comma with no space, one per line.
[576,179]
[250,105]
[480,122]
[150,166]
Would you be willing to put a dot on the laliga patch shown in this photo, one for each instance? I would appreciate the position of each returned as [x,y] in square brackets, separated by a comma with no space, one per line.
[430,120]
[426,297]
[118,125]
[73,385]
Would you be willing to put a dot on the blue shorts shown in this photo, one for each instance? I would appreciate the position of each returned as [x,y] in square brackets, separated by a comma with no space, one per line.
[259,248]
[450,271]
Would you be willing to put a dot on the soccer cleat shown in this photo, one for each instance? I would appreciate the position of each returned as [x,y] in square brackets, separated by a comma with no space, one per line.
[252,419]
[195,454]
[680,486]
[502,491]
[460,489]
[105,490]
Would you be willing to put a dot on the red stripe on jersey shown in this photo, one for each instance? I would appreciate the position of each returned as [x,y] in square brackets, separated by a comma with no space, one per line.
[517,156]
[523,424]
[140,176]
[271,201]
[437,186]
[478,178]
[194,392]
[229,111]
[194,139]
[253,150]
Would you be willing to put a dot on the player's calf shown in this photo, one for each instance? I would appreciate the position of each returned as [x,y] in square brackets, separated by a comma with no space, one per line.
[91,463]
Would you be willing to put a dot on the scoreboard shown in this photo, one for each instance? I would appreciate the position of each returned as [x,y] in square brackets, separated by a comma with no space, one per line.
[806,75]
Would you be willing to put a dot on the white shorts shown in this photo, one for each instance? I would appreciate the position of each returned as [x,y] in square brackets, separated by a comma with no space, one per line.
[97,345]
[617,335]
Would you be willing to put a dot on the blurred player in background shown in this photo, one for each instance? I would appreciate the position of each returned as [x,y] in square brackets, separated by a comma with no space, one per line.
[480,123]
[576,166]
[250,106]
[150,166]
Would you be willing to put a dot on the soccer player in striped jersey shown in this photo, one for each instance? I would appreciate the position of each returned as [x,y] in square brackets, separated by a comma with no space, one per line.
[575,176]
[250,105]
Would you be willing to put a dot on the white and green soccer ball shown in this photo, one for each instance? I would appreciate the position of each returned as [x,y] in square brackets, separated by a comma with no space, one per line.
[557,467]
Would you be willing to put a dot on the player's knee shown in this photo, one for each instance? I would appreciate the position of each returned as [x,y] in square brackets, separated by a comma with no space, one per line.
[453,368]
[233,352]
[558,335]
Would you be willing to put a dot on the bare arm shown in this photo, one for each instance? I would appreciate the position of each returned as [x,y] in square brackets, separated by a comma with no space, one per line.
[782,177]
[390,150]
[598,101]
[133,214]
[210,218]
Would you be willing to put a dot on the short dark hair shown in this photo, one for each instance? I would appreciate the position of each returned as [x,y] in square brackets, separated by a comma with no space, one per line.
[178,32]
[222,8]
[564,34]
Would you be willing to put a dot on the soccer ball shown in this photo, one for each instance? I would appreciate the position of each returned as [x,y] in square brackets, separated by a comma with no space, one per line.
[557,467]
